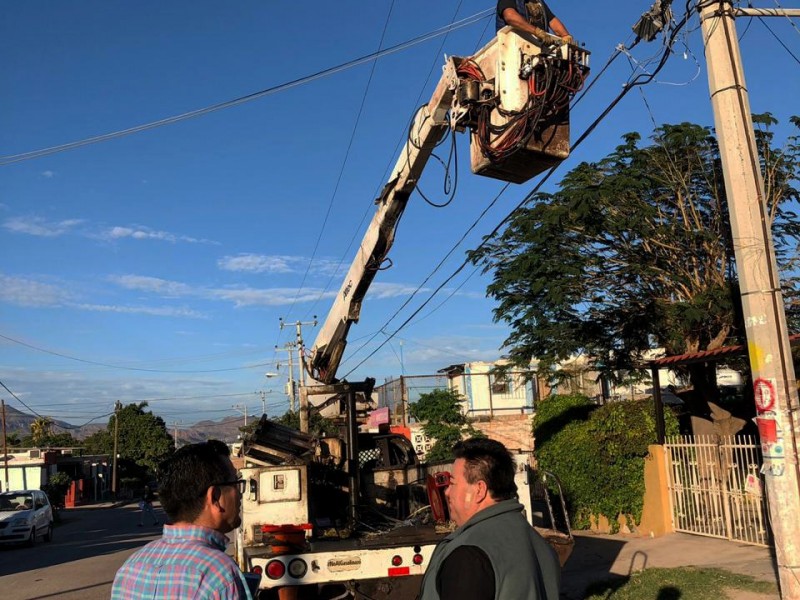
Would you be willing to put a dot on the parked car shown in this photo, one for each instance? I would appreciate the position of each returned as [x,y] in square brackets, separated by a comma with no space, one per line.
[25,516]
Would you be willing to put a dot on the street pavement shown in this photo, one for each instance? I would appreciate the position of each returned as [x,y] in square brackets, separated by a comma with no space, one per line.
[89,545]
[598,557]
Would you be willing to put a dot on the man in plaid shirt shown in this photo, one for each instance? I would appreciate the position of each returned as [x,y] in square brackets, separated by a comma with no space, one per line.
[202,496]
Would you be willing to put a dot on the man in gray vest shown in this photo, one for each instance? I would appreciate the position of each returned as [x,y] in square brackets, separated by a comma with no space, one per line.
[494,554]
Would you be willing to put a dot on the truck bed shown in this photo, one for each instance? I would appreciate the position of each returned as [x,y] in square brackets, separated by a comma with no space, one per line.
[404,536]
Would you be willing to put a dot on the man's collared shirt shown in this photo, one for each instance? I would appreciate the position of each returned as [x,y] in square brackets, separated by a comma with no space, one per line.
[187,562]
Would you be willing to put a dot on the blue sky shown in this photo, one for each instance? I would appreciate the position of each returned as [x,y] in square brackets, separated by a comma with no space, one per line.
[169,255]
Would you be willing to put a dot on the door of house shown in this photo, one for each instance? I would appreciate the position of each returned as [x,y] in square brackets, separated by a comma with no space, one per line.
[716,488]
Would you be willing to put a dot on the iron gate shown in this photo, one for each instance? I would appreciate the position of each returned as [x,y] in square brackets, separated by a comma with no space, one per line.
[716,488]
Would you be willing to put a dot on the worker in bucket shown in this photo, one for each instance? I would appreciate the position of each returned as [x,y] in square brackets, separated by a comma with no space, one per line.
[494,554]
[533,17]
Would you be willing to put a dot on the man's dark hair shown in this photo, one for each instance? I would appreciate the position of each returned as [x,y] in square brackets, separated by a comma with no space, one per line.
[488,460]
[187,474]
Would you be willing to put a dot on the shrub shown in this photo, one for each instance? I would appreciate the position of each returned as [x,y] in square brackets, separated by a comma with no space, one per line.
[56,488]
[598,453]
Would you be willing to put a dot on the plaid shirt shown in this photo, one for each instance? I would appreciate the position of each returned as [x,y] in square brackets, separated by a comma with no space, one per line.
[187,562]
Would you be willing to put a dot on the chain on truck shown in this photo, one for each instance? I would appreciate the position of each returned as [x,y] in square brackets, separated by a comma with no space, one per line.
[358,515]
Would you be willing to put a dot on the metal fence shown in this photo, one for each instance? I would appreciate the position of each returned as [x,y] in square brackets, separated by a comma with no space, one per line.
[716,488]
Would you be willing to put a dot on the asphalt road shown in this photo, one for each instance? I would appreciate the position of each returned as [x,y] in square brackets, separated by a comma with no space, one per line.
[89,545]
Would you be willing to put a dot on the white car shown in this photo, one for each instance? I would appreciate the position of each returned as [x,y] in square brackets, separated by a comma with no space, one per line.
[25,516]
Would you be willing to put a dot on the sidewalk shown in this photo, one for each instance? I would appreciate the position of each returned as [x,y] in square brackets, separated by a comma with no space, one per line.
[598,557]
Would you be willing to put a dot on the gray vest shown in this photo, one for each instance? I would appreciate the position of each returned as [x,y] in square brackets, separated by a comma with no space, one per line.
[525,566]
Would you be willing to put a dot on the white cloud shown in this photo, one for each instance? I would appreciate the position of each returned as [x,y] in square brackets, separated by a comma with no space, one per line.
[156,311]
[263,263]
[257,263]
[48,174]
[268,297]
[392,290]
[155,285]
[28,292]
[146,233]
[40,227]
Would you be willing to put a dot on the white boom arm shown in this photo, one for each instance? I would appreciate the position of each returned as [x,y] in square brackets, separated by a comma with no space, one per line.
[431,124]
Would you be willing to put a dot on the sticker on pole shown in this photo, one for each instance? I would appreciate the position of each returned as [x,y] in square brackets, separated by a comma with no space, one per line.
[764,392]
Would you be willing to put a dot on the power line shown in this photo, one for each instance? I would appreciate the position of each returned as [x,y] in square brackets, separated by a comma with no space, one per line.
[403,137]
[127,368]
[13,158]
[344,162]
[779,40]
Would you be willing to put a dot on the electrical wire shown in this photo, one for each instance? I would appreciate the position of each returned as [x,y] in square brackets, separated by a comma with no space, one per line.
[127,368]
[382,181]
[791,21]
[13,158]
[344,161]
[639,80]
[779,40]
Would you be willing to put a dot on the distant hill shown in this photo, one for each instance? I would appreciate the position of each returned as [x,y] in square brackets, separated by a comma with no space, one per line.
[20,423]
[226,429]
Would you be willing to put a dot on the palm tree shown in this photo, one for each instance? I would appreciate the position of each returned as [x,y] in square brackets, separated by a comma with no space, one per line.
[41,429]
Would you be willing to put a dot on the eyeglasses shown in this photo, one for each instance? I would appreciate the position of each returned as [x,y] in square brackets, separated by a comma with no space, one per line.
[241,484]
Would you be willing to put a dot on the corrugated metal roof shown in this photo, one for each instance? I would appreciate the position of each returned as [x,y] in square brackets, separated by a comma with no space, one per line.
[709,355]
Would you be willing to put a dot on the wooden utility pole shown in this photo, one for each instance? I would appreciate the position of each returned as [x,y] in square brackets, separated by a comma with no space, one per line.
[774,380]
[301,380]
[5,447]
[114,458]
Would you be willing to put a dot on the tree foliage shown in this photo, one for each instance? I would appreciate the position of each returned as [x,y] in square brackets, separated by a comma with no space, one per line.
[634,252]
[598,453]
[142,439]
[317,424]
[42,436]
[440,413]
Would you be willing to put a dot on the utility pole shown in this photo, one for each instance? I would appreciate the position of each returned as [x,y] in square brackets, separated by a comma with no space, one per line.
[175,433]
[301,378]
[114,458]
[263,396]
[291,389]
[5,447]
[774,383]
[242,408]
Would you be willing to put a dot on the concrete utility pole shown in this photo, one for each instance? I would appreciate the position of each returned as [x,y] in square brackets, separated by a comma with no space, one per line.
[114,458]
[774,382]
[242,408]
[301,377]
[263,396]
[5,447]
[291,388]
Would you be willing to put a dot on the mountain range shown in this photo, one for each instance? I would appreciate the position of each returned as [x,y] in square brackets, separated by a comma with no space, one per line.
[226,429]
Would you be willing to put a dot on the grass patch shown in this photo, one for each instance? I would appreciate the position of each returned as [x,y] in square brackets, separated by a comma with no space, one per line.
[673,584]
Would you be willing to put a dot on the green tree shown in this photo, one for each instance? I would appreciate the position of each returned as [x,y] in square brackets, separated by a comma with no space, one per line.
[41,429]
[317,424]
[634,252]
[143,437]
[440,413]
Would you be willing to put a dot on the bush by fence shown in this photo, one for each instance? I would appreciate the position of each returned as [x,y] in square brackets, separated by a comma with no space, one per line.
[598,452]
